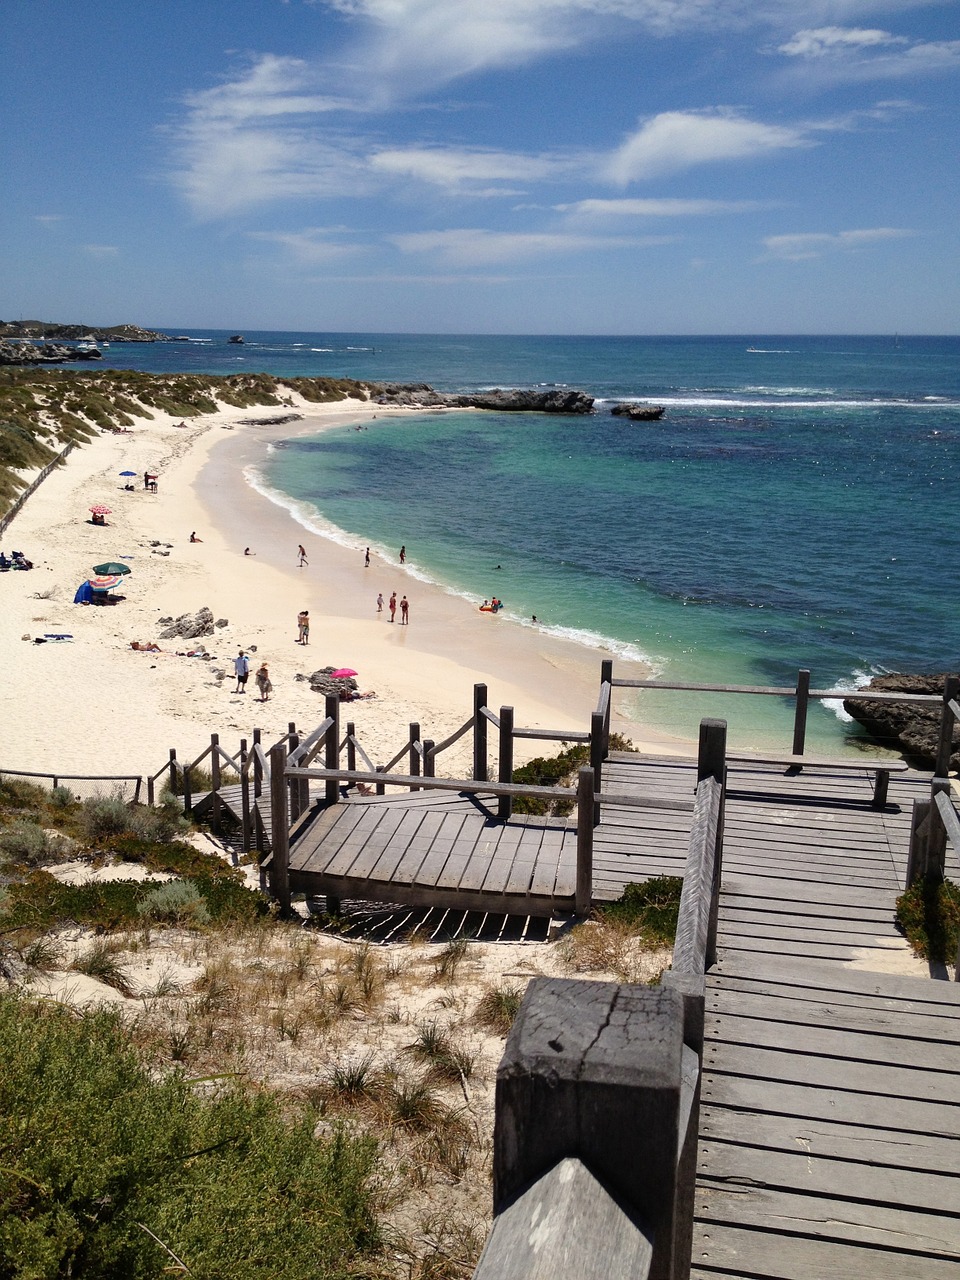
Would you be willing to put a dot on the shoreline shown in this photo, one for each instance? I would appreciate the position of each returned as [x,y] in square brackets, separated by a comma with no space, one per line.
[94,705]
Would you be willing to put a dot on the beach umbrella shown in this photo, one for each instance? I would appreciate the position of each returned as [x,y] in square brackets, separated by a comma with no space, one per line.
[128,473]
[101,510]
[341,672]
[112,568]
[104,582]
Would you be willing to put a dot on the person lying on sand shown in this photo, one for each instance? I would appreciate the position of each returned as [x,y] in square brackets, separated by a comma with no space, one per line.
[145,648]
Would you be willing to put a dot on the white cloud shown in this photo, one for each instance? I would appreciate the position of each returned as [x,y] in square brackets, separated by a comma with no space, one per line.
[312,245]
[477,247]
[598,210]
[101,250]
[805,245]
[676,140]
[867,53]
[464,169]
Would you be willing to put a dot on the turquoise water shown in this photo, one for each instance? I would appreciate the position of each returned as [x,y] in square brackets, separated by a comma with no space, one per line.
[794,507]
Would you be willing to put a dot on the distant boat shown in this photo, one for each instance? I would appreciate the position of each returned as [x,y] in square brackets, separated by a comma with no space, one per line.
[87,349]
[237,337]
[184,337]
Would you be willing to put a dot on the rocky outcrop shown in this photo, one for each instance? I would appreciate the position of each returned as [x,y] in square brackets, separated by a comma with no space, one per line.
[639,412]
[23,353]
[913,728]
[72,332]
[323,681]
[418,395]
[190,626]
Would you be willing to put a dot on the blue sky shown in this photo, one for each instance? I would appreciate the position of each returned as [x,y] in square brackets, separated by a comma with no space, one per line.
[490,166]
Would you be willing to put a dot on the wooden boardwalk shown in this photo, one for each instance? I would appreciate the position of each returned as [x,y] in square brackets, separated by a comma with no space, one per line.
[830,1115]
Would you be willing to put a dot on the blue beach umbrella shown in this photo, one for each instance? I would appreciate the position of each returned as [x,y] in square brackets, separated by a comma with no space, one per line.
[128,473]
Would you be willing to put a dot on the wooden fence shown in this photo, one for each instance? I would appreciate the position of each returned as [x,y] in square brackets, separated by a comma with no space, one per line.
[7,518]
[598,1099]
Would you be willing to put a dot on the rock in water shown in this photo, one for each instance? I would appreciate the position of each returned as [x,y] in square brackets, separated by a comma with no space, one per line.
[418,395]
[911,727]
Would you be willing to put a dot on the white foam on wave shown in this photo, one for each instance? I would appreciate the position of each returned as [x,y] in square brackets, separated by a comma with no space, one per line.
[849,684]
[313,520]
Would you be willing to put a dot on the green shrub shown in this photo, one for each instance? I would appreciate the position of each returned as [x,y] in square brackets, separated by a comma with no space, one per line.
[25,842]
[105,816]
[928,915]
[177,902]
[96,1149]
[649,909]
[558,771]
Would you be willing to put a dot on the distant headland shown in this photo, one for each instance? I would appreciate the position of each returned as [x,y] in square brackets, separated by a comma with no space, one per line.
[32,330]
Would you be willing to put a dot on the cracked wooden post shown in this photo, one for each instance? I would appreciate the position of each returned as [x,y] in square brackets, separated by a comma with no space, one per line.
[800,716]
[598,1074]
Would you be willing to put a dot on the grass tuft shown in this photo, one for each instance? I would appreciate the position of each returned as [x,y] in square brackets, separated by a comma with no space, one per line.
[497,1009]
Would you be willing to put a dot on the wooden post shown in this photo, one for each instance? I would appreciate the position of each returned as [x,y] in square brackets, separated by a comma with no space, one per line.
[712,763]
[945,749]
[150,791]
[597,753]
[279,868]
[257,767]
[800,718]
[586,786]
[381,787]
[917,854]
[293,741]
[595,1071]
[505,774]
[351,746]
[187,797]
[429,759]
[332,748]
[413,738]
[479,733]
[245,829]
[173,770]
[937,834]
[606,671]
[215,780]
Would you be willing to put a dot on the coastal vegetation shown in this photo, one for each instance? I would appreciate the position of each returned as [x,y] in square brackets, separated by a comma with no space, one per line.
[558,771]
[928,914]
[260,1095]
[44,410]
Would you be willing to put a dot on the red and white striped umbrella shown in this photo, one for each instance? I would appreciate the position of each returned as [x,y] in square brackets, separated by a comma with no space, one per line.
[101,510]
[105,582]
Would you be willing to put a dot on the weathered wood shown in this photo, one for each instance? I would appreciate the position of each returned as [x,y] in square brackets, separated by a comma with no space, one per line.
[691,951]
[566,1226]
[590,1068]
[585,823]
[279,869]
[800,714]
[413,740]
[479,733]
[945,745]
[596,760]
[331,748]
[505,772]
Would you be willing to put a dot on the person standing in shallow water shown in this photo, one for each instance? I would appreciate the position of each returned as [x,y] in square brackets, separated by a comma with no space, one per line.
[403,555]
[366,559]
[393,605]
[404,611]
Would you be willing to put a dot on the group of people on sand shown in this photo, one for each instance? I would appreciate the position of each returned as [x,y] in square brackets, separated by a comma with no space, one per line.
[392,606]
[241,667]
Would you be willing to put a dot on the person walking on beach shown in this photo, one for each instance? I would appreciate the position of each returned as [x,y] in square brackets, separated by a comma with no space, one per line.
[393,605]
[403,555]
[404,611]
[366,559]
[379,602]
[302,555]
[263,682]
[303,627]
[241,665]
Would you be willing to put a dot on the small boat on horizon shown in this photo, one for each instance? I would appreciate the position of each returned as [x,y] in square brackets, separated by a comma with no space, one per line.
[236,338]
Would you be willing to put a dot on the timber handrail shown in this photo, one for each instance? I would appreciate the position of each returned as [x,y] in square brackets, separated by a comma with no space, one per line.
[598,1099]
[314,739]
[454,737]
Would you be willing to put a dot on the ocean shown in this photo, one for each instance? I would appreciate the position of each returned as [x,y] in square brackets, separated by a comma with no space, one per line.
[792,508]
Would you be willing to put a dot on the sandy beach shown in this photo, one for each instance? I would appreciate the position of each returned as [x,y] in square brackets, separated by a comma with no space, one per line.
[93,705]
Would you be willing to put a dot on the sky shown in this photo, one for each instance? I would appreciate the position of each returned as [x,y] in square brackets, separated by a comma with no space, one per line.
[482,166]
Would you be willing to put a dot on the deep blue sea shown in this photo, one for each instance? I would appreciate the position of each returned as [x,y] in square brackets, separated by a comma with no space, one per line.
[796,505]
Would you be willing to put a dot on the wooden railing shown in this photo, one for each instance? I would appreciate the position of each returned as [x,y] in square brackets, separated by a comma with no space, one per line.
[598,1099]
[58,779]
[803,695]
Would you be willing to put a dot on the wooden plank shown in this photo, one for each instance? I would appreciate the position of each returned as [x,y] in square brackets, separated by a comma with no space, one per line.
[720,988]
[816,976]
[834,1220]
[829,1073]
[768,1255]
[831,1139]
[548,862]
[806,1100]
[820,1011]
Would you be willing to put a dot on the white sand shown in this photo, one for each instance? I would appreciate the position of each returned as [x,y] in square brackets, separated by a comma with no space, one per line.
[92,705]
